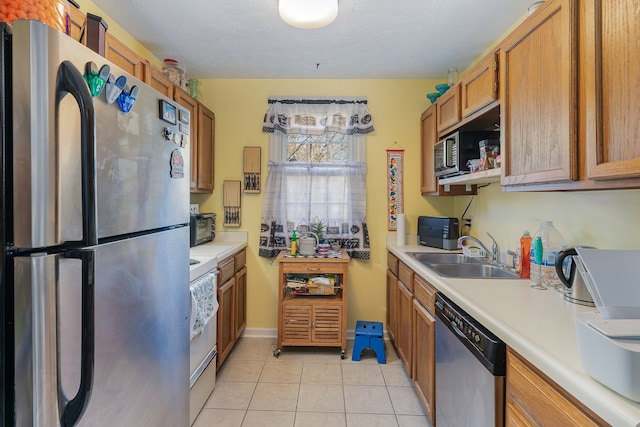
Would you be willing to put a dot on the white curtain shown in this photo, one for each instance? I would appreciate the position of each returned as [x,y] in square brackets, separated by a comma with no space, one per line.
[300,194]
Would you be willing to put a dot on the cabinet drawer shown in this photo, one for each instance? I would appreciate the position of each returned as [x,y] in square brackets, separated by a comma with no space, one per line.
[392,263]
[405,275]
[312,268]
[424,293]
[226,270]
[535,397]
[240,259]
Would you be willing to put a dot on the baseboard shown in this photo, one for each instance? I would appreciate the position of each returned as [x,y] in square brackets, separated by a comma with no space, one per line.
[273,333]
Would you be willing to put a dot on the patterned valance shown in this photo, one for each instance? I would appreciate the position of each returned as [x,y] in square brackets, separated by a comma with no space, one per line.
[318,116]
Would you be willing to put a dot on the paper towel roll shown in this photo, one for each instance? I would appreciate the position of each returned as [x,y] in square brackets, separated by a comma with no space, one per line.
[400,230]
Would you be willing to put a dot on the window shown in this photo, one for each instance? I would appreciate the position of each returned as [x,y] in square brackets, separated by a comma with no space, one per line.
[316,176]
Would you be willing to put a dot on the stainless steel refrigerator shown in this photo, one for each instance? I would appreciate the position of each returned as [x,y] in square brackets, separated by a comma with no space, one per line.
[94,297]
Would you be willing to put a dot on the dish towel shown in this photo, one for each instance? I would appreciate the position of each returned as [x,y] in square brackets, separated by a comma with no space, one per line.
[204,303]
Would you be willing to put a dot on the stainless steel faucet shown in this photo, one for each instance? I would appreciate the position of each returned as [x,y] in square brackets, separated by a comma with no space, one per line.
[493,253]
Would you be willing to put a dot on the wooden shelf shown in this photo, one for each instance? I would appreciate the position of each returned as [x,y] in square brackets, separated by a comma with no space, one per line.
[482,177]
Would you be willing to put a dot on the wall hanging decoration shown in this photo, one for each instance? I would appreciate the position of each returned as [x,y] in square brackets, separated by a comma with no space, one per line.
[231,203]
[251,169]
[395,186]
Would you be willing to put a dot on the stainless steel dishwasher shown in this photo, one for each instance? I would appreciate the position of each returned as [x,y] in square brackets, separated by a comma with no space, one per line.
[470,370]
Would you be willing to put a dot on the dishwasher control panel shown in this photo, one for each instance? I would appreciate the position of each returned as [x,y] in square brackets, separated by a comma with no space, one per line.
[470,331]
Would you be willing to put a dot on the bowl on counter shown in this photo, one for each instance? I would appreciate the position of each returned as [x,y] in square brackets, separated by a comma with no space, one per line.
[433,96]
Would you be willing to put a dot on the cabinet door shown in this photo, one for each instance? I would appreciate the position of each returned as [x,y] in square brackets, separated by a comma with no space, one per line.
[428,138]
[296,327]
[241,302]
[158,80]
[533,399]
[120,54]
[538,86]
[612,102]
[392,305]
[327,324]
[479,87]
[405,325]
[424,358]
[183,98]
[206,144]
[226,314]
[448,107]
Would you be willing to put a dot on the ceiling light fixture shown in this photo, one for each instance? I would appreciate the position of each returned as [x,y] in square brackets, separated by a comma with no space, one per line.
[308,13]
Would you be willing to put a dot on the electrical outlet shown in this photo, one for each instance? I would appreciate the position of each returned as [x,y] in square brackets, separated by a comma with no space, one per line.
[194,208]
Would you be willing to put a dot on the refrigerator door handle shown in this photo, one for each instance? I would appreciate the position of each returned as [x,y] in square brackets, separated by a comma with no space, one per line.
[70,80]
[72,409]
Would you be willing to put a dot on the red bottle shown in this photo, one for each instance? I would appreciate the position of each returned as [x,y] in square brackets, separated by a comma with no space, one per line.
[525,255]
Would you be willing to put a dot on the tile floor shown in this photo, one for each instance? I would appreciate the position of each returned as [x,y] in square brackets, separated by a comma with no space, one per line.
[308,387]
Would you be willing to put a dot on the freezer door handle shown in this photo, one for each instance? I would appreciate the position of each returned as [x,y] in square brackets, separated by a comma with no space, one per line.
[71,409]
[70,81]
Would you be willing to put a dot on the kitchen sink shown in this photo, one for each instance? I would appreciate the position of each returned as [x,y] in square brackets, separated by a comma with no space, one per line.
[461,266]
[428,258]
[473,271]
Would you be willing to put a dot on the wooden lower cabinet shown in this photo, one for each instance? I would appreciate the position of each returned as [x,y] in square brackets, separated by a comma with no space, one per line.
[312,320]
[424,352]
[232,303]
[405,325]
[423,371]
[226,314]
[392,305]
[241,301]
[311,324]
[533,399]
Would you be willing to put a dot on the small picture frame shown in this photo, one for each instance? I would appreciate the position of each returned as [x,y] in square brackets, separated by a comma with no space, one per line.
[168,112]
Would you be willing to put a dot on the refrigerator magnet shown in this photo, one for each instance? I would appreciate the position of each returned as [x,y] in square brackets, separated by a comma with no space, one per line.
[168,112]
[177,164]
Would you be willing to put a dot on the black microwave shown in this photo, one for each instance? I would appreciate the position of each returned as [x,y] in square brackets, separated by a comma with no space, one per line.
[202,228]
[451,154]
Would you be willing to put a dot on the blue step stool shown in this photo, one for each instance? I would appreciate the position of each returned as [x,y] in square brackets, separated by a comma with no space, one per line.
[369,335]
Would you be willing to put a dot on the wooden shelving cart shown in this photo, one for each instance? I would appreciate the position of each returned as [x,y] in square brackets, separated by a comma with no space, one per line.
[307,319]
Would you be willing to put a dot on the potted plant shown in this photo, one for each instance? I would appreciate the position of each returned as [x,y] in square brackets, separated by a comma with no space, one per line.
[318,227]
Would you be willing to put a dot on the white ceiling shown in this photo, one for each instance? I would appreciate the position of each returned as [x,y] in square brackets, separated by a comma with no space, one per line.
[370,39]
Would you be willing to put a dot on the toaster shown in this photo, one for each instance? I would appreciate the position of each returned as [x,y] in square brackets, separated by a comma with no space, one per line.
[438,232]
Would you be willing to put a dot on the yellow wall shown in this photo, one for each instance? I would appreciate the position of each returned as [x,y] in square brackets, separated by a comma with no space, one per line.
[396,106]
[604,219]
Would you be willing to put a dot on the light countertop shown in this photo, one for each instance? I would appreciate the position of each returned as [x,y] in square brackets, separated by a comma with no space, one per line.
[538,324]
[225,244]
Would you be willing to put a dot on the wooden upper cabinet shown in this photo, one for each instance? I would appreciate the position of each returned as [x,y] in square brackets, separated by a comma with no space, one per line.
[206,145]
[158,80]
[121,55]
[612,104]
[538,87]
[428,138]
[479,87]
[448,109]
[186,101]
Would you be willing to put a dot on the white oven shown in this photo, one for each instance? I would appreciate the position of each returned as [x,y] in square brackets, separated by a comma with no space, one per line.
[203,327]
